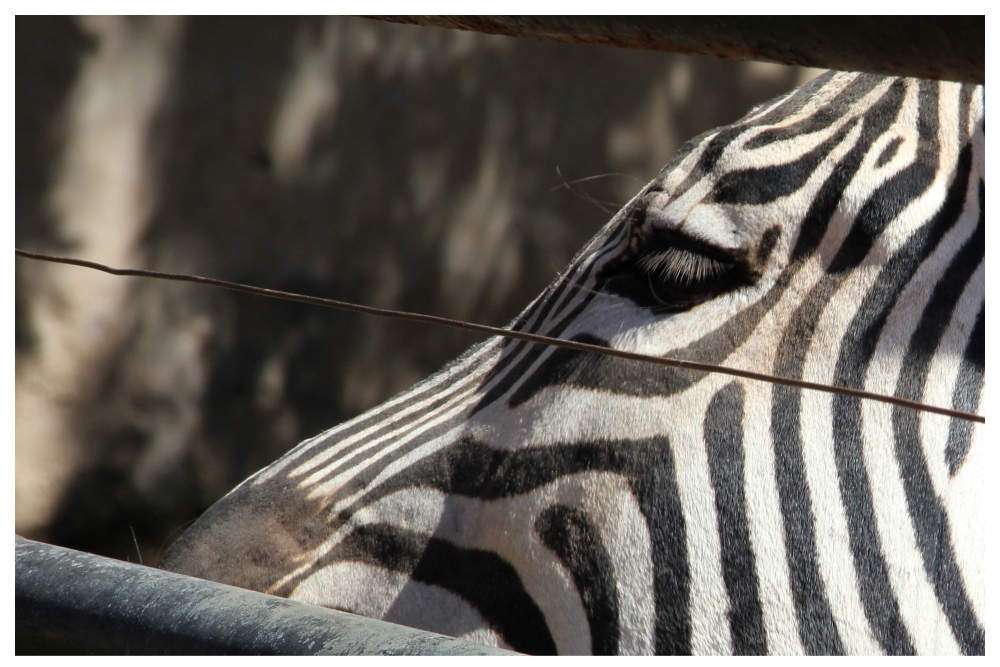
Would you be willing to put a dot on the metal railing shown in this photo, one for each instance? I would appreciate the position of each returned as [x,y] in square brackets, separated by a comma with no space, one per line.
[70,602]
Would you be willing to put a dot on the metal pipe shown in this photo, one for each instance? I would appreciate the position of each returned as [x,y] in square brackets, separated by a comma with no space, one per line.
[931,47]
[71,602]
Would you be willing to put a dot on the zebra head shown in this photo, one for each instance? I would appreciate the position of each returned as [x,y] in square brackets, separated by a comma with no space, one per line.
[549,500]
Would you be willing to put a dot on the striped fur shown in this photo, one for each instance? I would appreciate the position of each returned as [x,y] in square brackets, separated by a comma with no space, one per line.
[552,501]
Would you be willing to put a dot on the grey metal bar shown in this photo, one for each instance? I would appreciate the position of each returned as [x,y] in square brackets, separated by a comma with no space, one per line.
[71,602]
[933,47]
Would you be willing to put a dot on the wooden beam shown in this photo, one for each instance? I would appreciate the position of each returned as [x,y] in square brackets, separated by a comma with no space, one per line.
[933,47]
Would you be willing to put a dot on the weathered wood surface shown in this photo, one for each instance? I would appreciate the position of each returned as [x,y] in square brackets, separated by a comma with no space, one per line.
[933,47]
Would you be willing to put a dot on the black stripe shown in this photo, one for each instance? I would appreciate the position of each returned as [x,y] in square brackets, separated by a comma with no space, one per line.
[522,319]
[724,442]
[481,578]
[519,370]
[709,157]
[551,301]
[512,348]
[766,184]
[969,384]
[381,545]
[878,119]
[967,394]
[889,200]
[561,324]
[763,107]
[493,587]
[576,542]
[889,152]
[768,241]
[817,630]
[927,513]
[686,149]
[471,468]
[717,144]
[843,103]
[607,237]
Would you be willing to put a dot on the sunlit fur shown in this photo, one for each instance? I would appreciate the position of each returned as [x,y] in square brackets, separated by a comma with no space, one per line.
[551,501]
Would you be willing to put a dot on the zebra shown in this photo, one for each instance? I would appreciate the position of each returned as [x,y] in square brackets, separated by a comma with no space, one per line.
[552,501]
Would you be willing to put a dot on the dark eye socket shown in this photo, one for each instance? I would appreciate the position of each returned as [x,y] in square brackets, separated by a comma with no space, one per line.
[674,272]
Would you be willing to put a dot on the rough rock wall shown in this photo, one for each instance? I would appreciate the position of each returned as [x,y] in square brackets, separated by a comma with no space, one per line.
[397,166]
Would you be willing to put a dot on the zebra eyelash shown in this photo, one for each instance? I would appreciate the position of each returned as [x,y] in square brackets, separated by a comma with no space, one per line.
[682,266]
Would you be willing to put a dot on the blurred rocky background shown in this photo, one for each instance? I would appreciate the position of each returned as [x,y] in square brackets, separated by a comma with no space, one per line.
[398,166]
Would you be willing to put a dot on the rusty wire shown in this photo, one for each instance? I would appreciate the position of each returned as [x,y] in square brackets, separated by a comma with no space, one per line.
[507,333]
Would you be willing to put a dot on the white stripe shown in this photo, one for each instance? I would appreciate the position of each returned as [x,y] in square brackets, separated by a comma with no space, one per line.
[967,514]
[767,531]
[376,592]
[709,604]
[918,605]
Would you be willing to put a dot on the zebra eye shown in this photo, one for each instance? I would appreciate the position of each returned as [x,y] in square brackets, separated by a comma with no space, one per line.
[684,267]
[673,273]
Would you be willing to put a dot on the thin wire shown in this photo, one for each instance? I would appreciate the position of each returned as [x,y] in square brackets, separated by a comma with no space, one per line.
[507,333]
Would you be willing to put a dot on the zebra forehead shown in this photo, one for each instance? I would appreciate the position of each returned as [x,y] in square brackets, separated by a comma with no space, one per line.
[789,128]
[761,158]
